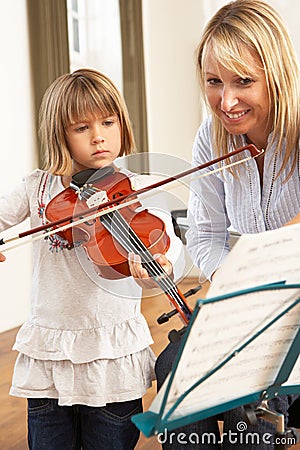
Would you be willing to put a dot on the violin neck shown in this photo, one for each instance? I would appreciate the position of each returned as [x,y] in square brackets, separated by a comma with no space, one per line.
[130,241]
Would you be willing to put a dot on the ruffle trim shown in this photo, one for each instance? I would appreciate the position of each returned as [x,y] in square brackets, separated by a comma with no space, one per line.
[92,384]
[82,346]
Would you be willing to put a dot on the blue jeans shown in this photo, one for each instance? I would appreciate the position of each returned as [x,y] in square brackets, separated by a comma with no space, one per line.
[237,435]
[54,427]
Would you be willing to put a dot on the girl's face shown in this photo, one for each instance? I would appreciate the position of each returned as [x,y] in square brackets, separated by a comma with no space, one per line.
[94,143]
[241,103]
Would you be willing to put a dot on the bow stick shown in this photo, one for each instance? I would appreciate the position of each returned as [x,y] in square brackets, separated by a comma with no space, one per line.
[122,201]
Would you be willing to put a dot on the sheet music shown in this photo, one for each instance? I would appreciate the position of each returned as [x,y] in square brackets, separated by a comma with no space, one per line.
[295,375]
[222,327]
[257,259]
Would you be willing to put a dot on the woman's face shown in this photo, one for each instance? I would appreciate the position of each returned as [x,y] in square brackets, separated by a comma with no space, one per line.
[241,103]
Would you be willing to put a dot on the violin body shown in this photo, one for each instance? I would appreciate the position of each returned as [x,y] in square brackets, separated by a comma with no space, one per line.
[102,248]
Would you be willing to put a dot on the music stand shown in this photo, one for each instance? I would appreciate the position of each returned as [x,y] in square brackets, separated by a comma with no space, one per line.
[240,346]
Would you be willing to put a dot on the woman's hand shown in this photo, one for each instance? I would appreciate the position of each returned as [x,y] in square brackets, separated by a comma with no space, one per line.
[141,275]
[2,257]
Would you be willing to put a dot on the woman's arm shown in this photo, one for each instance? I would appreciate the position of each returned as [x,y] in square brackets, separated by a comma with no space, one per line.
[207,237]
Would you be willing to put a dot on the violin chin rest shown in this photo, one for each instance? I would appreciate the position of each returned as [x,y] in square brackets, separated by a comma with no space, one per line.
[91,176]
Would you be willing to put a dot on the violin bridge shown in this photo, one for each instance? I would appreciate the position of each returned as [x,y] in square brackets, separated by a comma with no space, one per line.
[93,196]
[97,199]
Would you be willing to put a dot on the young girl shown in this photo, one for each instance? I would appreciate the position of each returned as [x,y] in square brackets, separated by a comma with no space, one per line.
[84,358]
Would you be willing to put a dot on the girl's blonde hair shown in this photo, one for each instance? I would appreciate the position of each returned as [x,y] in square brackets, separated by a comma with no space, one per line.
[255,25]
[72,98]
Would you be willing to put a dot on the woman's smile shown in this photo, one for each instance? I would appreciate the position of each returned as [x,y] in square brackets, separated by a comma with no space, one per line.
[235,115]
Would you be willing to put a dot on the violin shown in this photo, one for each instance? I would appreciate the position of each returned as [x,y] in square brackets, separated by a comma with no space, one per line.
[109,238]
[101,236]
[90,213]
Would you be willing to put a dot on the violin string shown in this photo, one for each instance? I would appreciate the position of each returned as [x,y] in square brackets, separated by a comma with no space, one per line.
[155,269]
[117,223]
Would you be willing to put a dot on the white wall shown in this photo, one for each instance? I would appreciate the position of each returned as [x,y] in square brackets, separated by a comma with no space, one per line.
[17,143]
[171,33]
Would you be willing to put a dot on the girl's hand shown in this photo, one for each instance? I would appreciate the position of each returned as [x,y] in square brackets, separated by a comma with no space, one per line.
[141,275]
[2,257]
[296,219]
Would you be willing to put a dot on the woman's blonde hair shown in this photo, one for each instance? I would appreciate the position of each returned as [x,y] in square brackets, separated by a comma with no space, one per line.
[255,25]
[72,98]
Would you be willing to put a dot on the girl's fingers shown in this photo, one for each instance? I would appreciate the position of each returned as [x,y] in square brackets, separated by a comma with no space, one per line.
[136,268]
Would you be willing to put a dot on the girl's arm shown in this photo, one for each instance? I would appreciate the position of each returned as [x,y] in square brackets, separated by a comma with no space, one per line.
[14,208]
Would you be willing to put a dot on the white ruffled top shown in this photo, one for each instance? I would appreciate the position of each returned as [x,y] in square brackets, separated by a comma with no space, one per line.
[86,340]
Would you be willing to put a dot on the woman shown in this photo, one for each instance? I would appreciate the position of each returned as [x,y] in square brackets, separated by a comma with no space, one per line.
[249,77]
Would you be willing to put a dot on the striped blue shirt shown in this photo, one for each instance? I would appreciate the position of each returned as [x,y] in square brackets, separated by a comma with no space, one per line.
[220,201]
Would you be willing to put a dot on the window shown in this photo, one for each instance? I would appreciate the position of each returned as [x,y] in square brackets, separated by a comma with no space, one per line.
[95,37]
[107,35]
